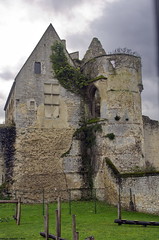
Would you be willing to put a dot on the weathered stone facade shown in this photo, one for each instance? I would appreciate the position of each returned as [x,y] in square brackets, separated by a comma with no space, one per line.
[63,139]
[151,142]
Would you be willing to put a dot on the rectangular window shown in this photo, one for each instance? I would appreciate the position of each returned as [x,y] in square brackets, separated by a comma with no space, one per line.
[37,67]
[52,100]
[32,105]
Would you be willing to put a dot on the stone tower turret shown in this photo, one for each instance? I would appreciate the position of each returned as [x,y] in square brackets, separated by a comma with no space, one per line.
[115,99]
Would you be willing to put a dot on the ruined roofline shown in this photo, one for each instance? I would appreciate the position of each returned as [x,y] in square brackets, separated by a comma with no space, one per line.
[128,54]
[109,55]
[148,120]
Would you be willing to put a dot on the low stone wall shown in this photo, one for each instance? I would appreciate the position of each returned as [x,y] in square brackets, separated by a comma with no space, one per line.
[151,142]
[146,191]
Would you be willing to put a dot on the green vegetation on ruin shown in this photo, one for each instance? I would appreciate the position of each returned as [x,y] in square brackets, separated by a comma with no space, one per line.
[70,77]
[112,167]
[100,225]
[87,134]
[111,136]
[140,173]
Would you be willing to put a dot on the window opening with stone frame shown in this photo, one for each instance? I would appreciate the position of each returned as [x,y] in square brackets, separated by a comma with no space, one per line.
[94,101]
[37,67]
[51,100]
[32,105]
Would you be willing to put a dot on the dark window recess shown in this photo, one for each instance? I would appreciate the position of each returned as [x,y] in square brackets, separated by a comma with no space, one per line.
[94,101]
[37,67]
[32,105]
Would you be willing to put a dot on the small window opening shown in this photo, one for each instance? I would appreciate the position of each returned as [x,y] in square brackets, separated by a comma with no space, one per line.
[117,118]
[32,105]
[37,67]
[94,101]
[97,103]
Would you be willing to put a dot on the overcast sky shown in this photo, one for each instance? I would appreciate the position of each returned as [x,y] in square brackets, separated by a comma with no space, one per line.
[117,23]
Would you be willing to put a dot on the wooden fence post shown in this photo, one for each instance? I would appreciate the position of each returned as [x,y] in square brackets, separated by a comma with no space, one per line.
[43,201]
[95,201]
[70,202]
[57,224]
[59,217]
[119,204]
[131,204]
[77,235]
[46,222]
[74,227]
[134,202]
[18,211]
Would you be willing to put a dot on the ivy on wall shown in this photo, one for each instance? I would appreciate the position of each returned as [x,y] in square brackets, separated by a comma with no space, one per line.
[7,140]
[69,77]
[72,79]
[87,135]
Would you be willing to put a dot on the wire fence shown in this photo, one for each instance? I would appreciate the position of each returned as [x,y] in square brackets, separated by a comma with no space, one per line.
[71,196]
[50,195]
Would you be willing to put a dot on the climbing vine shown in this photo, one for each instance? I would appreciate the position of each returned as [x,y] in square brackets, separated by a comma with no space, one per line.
[87,135]
[69,77]
[7,140]
[111,136]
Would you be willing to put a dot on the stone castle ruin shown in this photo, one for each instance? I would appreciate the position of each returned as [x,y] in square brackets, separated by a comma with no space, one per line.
[57,137]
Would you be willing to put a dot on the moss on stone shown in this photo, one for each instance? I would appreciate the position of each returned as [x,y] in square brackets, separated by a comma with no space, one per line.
[97,78]
[129,174]
[87,134]
[112,166]
[111,136]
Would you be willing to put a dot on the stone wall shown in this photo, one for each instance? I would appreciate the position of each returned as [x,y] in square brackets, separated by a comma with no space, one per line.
[146,190]
[151,142]
[39,164]
[1,153]
[7,153]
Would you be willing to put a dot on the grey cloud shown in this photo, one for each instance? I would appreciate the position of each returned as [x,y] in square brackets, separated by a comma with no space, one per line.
[2,114]
[7,75]
[58,6]
[2,97]
[79,42]
[2,102]
[130,24]
[124,24]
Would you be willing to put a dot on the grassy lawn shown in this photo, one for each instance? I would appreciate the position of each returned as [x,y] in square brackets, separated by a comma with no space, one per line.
[101,225]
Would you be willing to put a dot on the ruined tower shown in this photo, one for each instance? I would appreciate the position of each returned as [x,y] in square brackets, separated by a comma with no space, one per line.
[118,89]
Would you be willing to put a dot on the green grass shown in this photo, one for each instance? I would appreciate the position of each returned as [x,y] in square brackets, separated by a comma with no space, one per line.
[101,225]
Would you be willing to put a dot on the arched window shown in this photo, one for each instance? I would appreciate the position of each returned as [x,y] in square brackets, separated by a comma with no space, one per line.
[94,101]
